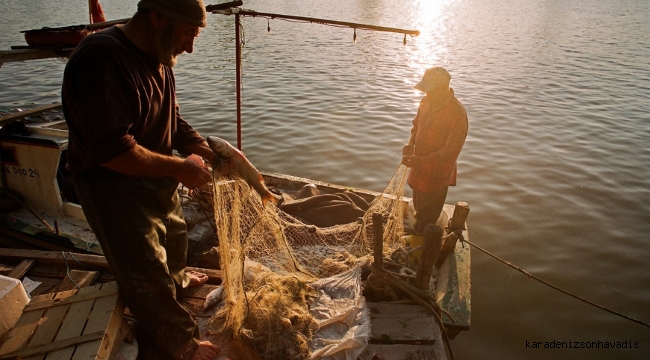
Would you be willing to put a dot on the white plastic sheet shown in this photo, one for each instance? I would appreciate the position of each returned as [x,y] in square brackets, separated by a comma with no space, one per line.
[342,316]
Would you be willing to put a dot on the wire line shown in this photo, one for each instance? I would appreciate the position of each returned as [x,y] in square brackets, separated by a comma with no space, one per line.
[555,287]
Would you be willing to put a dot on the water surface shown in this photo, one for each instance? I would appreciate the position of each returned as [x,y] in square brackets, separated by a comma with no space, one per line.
[556,166]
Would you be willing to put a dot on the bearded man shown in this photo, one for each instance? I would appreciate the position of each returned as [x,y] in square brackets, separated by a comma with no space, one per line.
[119,102]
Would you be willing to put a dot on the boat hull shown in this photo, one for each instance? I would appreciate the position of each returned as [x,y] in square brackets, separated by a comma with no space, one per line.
[52,37]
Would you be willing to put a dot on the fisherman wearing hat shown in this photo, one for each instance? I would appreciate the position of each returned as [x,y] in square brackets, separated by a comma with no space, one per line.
[120,105]
[437,137]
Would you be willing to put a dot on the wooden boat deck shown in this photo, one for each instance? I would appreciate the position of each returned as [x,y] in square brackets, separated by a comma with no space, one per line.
[397,329]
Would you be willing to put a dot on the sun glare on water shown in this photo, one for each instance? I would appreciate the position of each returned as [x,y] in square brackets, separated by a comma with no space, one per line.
[431,45]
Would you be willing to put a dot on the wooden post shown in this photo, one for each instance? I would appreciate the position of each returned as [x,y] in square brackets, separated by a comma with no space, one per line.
[461,211]
[457,223]
[378,238]
[430,251]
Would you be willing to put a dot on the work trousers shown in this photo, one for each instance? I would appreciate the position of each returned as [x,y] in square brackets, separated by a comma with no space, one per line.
[428,207]
[140,226]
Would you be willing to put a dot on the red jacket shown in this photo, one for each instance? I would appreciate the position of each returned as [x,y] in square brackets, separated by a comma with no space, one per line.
[439,130]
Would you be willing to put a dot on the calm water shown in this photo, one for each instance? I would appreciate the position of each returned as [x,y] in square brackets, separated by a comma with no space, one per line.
[556,166]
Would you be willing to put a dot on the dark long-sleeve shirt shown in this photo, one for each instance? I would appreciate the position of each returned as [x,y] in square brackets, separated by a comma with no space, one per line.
[114,97]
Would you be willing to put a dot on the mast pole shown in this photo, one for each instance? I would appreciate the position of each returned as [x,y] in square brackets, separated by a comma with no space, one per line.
[238,80]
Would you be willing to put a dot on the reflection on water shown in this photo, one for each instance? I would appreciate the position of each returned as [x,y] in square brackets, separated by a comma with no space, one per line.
[430,48]
[555,167]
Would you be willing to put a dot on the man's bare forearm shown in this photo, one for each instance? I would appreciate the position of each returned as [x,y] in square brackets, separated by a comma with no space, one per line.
[203,150]
[139,161]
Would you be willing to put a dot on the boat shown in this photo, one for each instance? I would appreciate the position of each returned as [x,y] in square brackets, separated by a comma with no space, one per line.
[69,36]
[65,36]
[33,148]
[61,36]
[42,223]
[49,42]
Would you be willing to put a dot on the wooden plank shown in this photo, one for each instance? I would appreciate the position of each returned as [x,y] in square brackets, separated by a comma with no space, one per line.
[44,349]
[59,272]
[42,239]
[430,251]
[105,291]
[402,352]
[73,325]
[95,323]
[7,241]
[30,240]
[289,182]
[19,271]
[50,297]
[5,269]
[99,320]
[20,335]
[194,297]
[77,278]
[46,329]
[31,54]
[97,261]
[116,331]
[195,306]
[402,323]
[54,257]
[28,112]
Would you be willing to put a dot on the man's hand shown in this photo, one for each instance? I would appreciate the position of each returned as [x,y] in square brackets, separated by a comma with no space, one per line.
[206,351]
[412,160]
[192,174]
[408,149]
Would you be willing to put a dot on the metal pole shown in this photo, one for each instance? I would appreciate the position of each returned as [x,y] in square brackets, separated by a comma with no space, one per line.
[328,22]
[238,80]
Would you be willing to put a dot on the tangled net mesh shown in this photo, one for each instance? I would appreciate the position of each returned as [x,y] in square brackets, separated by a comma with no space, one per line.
[266,305]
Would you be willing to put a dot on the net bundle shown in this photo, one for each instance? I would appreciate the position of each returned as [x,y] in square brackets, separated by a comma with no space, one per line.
[269,258]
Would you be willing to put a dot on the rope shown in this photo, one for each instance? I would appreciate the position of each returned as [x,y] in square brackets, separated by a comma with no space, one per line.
[67,271]
[553,286]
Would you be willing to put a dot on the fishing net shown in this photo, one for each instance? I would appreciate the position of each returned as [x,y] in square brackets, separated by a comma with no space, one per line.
[275,268]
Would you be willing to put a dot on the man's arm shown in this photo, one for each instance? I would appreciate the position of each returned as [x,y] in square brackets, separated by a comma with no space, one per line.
[203,150]
[408,148]
[139,161]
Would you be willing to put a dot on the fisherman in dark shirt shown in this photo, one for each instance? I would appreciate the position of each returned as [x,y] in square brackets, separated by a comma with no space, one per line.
[437,137]
[119,102]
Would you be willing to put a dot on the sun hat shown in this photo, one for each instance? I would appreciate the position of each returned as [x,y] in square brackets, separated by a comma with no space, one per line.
[433,78]
[188,11]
